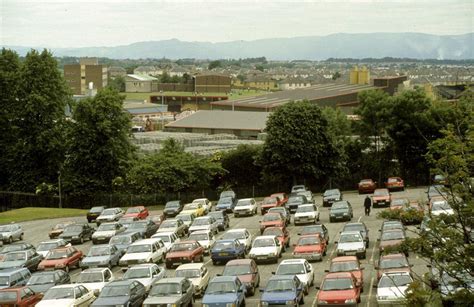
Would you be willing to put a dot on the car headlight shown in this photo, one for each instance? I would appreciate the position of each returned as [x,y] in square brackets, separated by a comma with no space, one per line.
[252,255]
[345,213]
[174,305]
[332,214]
[322,302]
[350,301]
[263,304]
[361,249]
[230,305]
[340,250]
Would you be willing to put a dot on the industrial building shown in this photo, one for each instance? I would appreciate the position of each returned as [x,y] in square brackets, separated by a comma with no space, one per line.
[140,84]
[79,76]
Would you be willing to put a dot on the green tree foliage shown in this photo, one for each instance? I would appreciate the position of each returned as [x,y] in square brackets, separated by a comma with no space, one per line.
[214,64]
[336,75]
[99,148]
[299,145]
[117,83]
[241,166]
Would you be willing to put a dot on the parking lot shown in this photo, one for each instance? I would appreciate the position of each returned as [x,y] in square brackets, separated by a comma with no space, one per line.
[37,231]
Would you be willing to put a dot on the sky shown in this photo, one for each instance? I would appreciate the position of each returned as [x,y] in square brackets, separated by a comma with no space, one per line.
[86,23]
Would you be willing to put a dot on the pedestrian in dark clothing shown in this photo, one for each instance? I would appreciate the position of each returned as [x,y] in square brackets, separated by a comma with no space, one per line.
[367,205]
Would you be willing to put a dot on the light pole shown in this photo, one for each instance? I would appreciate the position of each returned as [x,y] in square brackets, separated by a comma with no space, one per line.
[59,190]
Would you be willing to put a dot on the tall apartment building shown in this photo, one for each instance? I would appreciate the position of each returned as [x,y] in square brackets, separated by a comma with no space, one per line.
[78,76]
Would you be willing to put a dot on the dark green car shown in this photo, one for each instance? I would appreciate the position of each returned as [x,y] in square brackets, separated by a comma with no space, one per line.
[341,211]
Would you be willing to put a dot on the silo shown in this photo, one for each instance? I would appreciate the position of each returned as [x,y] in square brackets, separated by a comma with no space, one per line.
[363,76]
[354,76]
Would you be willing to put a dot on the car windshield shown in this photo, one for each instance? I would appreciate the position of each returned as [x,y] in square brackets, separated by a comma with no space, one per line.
[57,254]
[394,281]
[138,225]
[201,222]
[314,240]
[8,296]
[440,206]
[331,193]
[346,266]
[395,225]
[187,273]
[221,287]
[172,205]
[225,201]
[108,212]
[191,206]
[133,273]
[87,277]
[164,238]
[216,215]
[340,205]
[96,209]
[392,235]
[46,246]
[199,236]
[234,235]
[5,228]
[96,251]
[278,210]
[178,247]
[227,194]
[127,220]
[263,242]
[233,270]
[245,202]
[41,279]
[350,238]
[59,293]
[15,256]
[269,200]
[133,210]
[271,217]
[120,240]
[307,230]
[280,285]
[290,269]
[354,227]
[332,284]
[224,245]
[165,289]
[273,232]
[111,291]
[73,229]
[169,224]
[380,193]
[295,199]
[184,217]
[392,180]
[106,227]
[305,209]
[139,248]
[390,263]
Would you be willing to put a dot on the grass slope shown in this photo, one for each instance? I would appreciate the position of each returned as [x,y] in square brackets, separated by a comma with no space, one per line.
[30,213]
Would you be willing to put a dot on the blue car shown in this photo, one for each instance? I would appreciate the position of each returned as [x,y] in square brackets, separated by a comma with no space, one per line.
[225,250]
[226,203]
[283,290]
[224,291]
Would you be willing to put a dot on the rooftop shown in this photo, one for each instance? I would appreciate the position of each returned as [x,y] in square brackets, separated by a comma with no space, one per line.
[142,77]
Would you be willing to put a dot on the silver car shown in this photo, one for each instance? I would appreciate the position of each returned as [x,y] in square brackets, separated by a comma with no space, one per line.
[10,233]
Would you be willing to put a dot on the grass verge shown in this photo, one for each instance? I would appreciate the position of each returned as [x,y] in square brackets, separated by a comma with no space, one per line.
[32,213]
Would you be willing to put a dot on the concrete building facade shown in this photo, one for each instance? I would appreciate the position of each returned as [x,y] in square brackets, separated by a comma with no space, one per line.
[78,76]
[140,84]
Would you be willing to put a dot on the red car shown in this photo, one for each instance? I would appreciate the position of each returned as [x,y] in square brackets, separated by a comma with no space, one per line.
[246,270]
[272,220]
[367,186]
[339,289]
[19,297]
[395,184]
[63,258]
[139,212]
[184,252]
[382,197]
[348,264]
[392,263]
[282,234]
[269,202]
[281,196]
[310,247]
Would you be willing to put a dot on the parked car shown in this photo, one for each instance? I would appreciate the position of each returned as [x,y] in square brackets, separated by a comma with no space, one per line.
[349,264]
[157,219]
[40,282]
[22,259]
[361,227]
[381,198]
[173,208]
[391,288]
[187,219]
[294,201]
[247,271]
[310,247]
[77,233]
[168,238]
[391,263]
[127,221]
[101,256]
[58,229]
[174,225]
[306,213]
[226,204]
[121,293]
[11,232]
[308,194]
[224,291]
[282,196]
[145,228]
[197,273]
[391,239]
[123,240]
[283,290]
[146,273]
[413,213]
[95,279]
[441,206]
[207,223]
[44,247]
[436,190]
[272,220]
[367,186]
[67,295]
[300,268]
[184,252]
[94,213]
[106,231]
[206,203]
[338,287]
[227,193]
[398,203]
[245,206]
[144,251]
[298,188]
[222,219]
[395,184]
[265,248]
[195,208]
[391,225]
[241,234]
[19,297]
[61,258]
[269,202]
[140,212]
[225,250]
[15,247]
[331,196]
[281,233]
[440,179]
[316,229]
[351,243]
[283,211]
[110,215]
[175,291]
[205,238]
[14,277]
[341,210]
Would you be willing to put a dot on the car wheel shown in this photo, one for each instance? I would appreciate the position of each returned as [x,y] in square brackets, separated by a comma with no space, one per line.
[330,220]
[109,265]
[82,240]
[306,290]
[10,240]
[302,300]
[288,243]
[21,237]
[66,269]
[201,259]
[243,303]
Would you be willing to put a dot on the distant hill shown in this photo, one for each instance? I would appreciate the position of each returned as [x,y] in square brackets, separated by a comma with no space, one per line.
[370,45]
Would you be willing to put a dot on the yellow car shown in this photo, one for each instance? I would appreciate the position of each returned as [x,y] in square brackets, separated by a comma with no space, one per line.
[196,208]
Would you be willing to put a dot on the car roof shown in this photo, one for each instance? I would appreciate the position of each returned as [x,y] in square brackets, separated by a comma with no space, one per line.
[165,233]
[350,233]
[245,199]
[9,271]
[265,237]
[143,265]
[239,262]
[293,261]
[65,286]
[391,273]
[237,230]
[146,241]
[338,275]
[306,205]
[223,278]
[190,266]
[201,232]
[202,218]
[93,270]
[344,259]
[187,241]
[226,240]
[51,241]
[391,256]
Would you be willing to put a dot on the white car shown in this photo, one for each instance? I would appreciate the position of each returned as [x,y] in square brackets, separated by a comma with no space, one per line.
[206,203]
[307,213]
[205,223]
[146,273]
[351,243]
[392,286]
[95,278]
[265,248]
[144,251]
[299,267]
[173,225]
[205,238]
[11,232]
[245,206]
[298,188]
[168,238]
[44,247]
[110,215]
[106,231]
[441,207]
[197,273]
[308,194]
[71,295]
[241,234]
[187,218]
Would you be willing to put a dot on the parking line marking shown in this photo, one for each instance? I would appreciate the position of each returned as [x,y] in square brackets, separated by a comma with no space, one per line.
[373,253]
[370,291]
[314,301]
[359,218]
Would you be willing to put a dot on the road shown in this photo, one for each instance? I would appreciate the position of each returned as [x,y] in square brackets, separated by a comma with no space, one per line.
[37,231]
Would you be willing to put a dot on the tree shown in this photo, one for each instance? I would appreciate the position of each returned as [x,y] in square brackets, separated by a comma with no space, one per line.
[99,146]
[336,75]
[117,83]
[241,166]
[298,144]
[214,64]
[259,67]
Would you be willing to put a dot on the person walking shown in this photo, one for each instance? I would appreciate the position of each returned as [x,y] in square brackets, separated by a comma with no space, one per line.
[367,205]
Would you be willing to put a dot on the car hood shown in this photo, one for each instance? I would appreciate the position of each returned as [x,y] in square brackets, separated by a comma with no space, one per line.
[94,285]
[111,301]
[200,227]
[178,254]
[156,300]
[12,264]
[377,198]
[51,262]
[108,233]
[336,295]
[308,248]
[95,259]
[300,214]
[246,207]
[350,245]
[55,303]
[263,250]
[219,298]
[133,256]
[392,292]
[278,296]
[41,288]
[390,243]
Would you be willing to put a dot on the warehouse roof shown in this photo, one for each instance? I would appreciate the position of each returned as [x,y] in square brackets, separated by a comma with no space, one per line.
[238,120]
[142,77]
